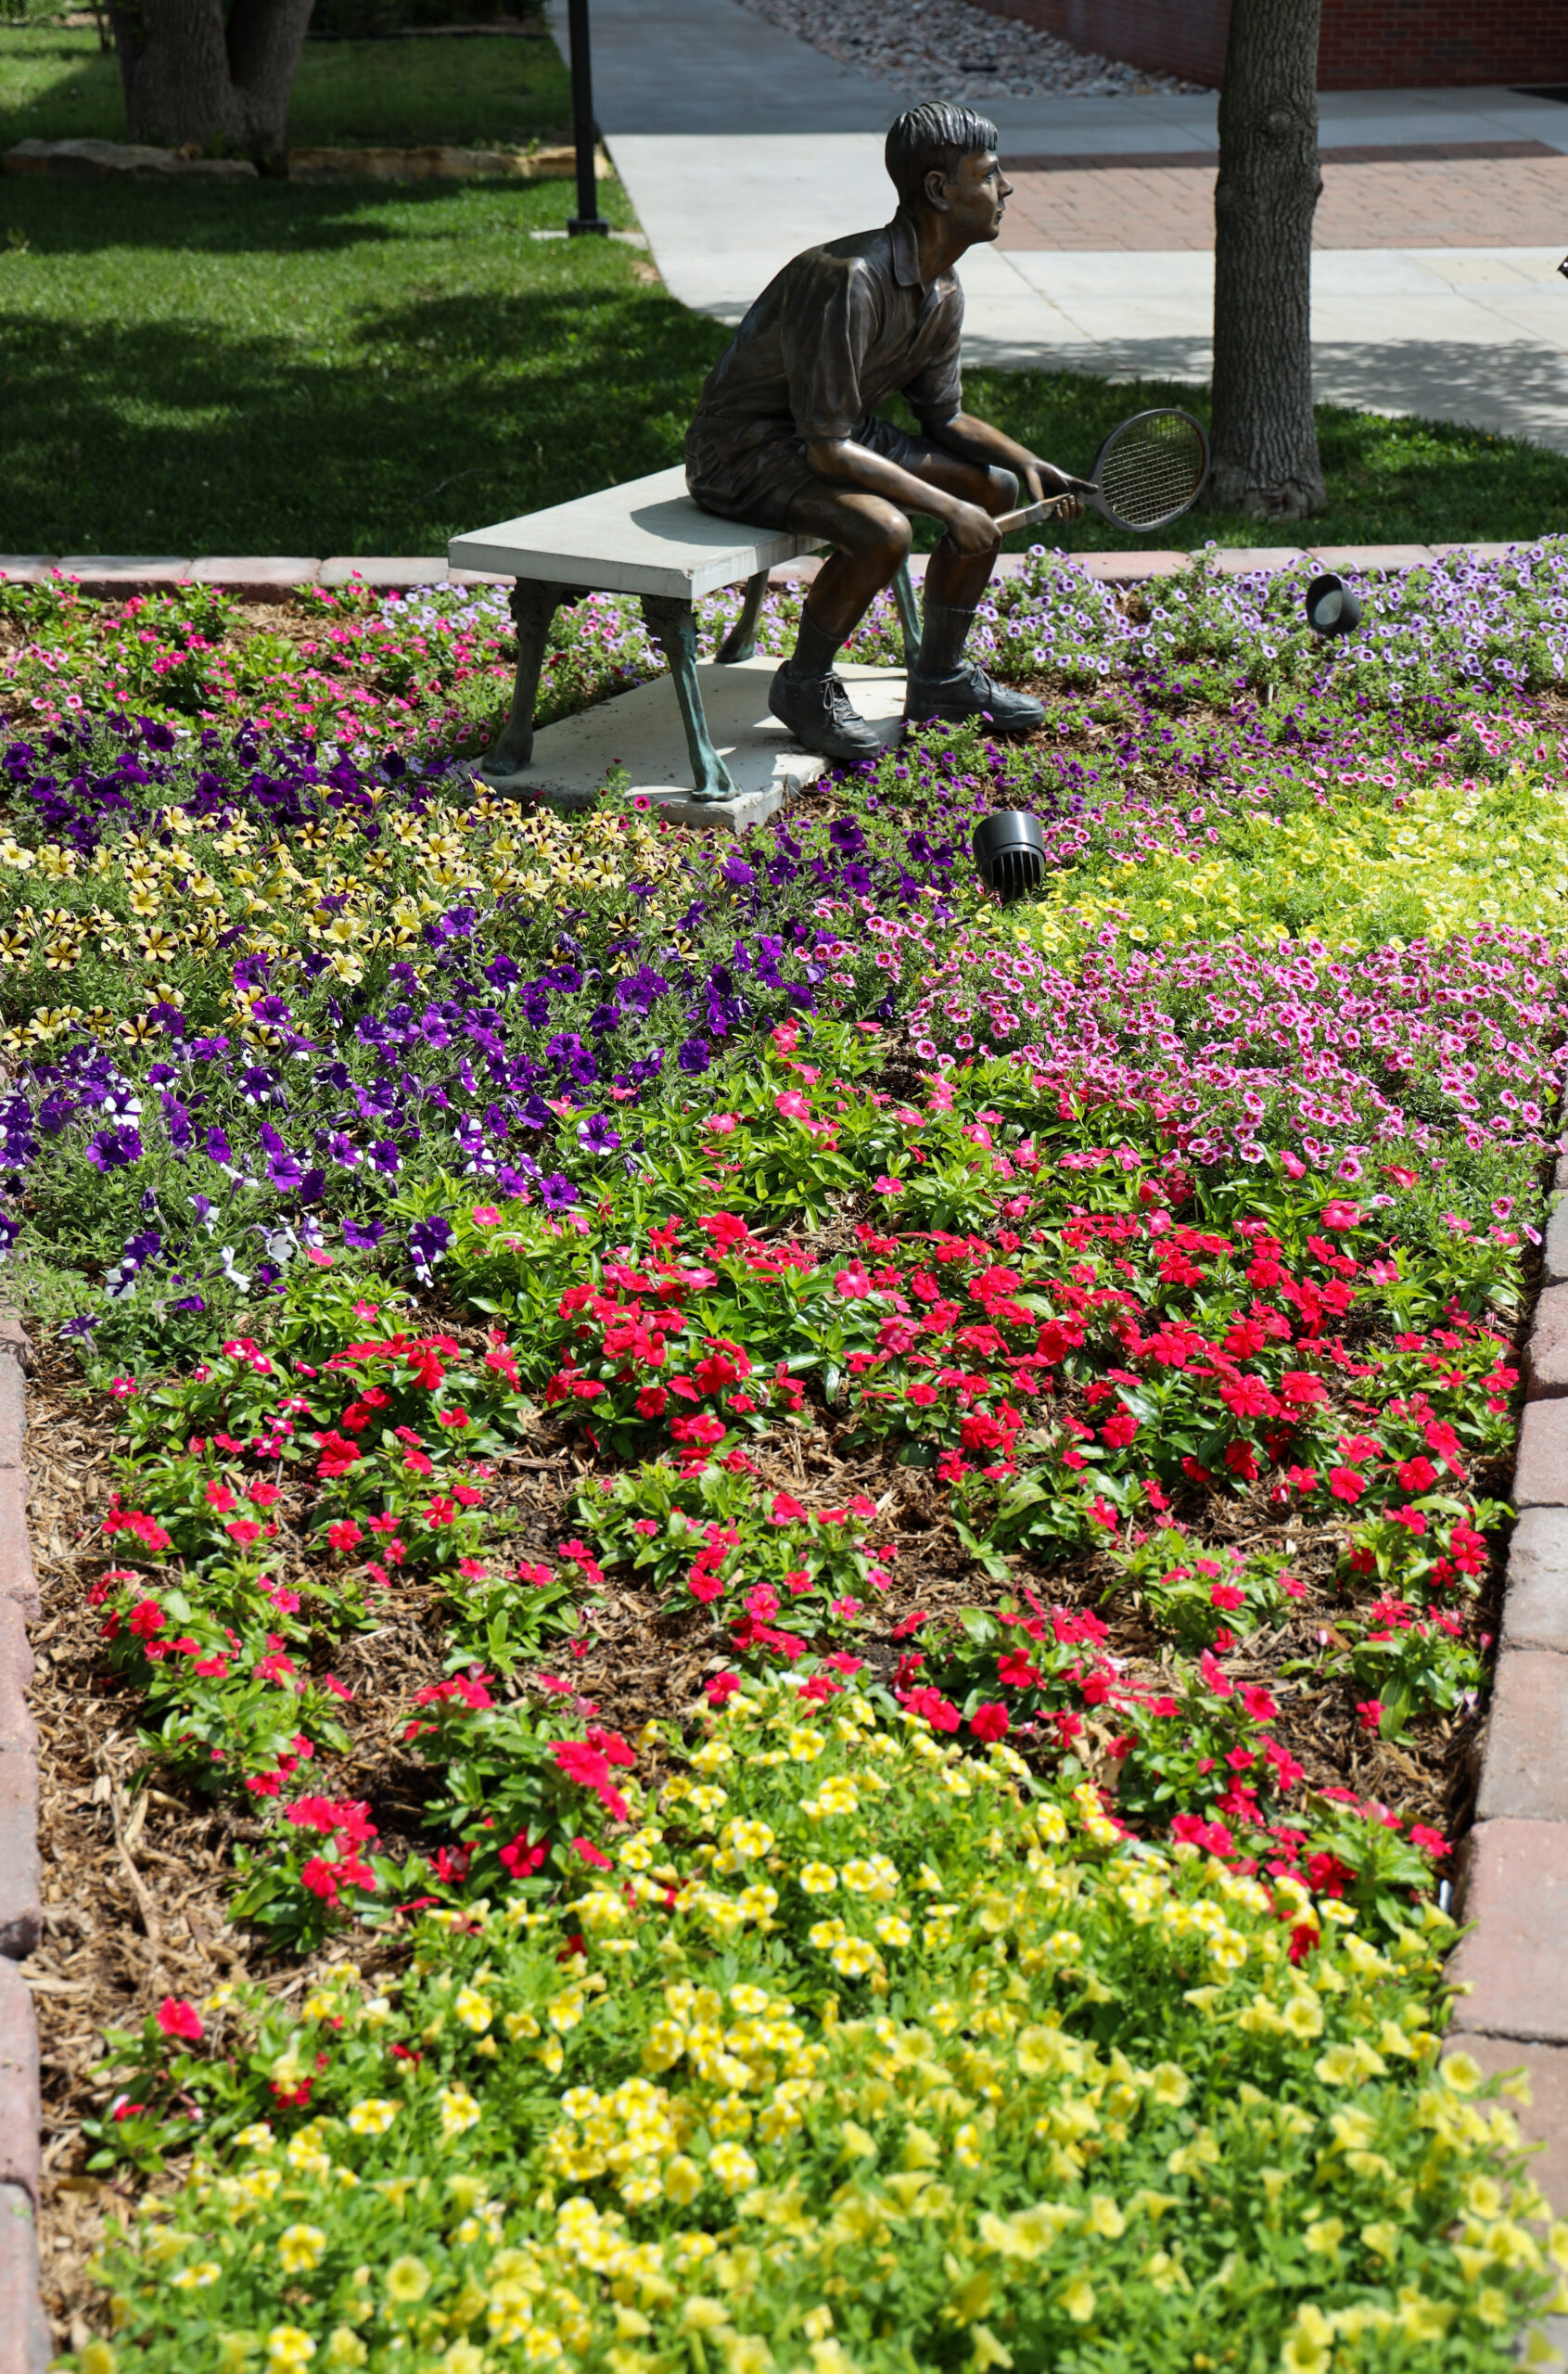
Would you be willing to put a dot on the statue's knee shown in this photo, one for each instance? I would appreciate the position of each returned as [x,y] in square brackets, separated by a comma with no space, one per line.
[1002,491]
[896,540]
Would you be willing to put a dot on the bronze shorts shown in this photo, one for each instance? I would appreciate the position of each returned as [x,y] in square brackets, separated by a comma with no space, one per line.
[750,469]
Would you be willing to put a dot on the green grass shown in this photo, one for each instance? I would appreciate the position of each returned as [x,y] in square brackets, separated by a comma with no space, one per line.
[59,85]
[267,369]
[1390,481]
[273,369]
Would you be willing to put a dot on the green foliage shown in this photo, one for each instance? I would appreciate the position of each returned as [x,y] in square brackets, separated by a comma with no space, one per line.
[908,2068]
[1430,860]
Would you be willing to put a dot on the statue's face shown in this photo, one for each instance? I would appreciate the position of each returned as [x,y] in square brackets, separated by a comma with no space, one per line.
[976,196]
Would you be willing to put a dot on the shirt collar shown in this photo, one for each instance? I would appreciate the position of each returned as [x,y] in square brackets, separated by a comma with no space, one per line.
[906,251]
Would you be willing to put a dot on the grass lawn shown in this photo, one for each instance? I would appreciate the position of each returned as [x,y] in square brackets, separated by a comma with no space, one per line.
[265,368]
[56,84]
[268,369]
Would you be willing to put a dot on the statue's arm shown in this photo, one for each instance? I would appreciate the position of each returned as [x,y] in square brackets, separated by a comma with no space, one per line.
[845,464]
[976,440]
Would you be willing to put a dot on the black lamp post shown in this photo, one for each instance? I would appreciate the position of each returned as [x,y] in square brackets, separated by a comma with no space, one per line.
[588,220]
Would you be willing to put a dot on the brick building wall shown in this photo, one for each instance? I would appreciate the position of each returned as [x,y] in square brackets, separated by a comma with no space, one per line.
[1364,44]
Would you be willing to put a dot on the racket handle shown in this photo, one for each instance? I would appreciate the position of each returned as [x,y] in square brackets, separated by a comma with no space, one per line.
[1052,508]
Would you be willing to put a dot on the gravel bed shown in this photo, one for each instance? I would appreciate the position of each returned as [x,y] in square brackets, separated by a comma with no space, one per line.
[945,48]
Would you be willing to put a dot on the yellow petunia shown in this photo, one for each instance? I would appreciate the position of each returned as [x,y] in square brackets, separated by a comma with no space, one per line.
[288,2348]
[373,2116]
[301,2248]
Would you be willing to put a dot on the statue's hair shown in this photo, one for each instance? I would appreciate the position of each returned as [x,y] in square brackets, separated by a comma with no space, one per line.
[935,135]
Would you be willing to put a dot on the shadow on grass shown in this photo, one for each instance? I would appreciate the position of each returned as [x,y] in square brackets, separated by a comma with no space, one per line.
[270,368]
[437,415]
[243,219]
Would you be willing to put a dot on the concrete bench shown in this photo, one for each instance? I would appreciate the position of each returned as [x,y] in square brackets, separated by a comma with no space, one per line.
[650,539]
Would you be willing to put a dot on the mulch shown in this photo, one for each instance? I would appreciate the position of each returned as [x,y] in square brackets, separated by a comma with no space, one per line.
[136,1874]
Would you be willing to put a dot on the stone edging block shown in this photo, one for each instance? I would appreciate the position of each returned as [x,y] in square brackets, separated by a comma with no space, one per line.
[1514,1959]
[1540,1474]
[1535,1602]
[27,2346]
[1524,1775]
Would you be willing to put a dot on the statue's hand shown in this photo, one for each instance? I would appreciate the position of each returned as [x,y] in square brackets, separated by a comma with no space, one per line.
[971,529]
[1046,483]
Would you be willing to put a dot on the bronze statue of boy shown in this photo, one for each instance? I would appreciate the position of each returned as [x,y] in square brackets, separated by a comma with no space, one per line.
[787,434]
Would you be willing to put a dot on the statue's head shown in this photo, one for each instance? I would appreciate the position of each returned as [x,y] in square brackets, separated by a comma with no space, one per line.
[938,138]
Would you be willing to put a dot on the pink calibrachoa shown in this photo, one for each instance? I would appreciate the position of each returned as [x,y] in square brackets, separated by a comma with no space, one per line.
[1272,1047]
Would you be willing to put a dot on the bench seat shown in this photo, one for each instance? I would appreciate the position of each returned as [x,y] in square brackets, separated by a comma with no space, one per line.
[646,537]
[650,539]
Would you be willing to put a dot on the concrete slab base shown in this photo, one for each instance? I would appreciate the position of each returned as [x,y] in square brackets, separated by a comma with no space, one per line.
[641,732]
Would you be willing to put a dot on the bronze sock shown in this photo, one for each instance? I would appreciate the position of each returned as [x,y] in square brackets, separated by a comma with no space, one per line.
[815,651]
[942,638]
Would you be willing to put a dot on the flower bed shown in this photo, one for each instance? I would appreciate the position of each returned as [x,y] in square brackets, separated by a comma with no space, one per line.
[814,1563]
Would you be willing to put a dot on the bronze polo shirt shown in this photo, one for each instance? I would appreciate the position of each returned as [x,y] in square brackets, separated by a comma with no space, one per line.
[839,330]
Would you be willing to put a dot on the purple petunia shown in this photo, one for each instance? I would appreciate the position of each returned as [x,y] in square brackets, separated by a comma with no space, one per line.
[114,1149]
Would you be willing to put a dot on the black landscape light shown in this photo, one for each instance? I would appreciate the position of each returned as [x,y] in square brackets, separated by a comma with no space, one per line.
[1331,608]
[1010,853]
[587,219]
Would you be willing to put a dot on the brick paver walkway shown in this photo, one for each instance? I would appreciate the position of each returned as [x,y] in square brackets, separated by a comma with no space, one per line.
[1484,194]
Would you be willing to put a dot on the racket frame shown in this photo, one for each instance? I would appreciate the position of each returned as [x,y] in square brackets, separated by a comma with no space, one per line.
[1088,494]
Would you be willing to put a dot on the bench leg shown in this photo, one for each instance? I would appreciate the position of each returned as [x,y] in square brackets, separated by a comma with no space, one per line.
[533,604]
[741,641]
[673,625]
[909,613]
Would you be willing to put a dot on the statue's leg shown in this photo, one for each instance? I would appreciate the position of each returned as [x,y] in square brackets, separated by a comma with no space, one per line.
[741,641]
[533,604]
[909,612]
[673,625]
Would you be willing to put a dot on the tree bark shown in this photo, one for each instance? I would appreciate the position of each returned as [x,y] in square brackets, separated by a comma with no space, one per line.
[1264,442]
[191,79]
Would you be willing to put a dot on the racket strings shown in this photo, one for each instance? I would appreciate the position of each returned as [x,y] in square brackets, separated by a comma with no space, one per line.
[1151,469]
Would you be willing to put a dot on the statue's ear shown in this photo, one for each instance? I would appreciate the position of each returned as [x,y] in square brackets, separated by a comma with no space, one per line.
[935,189]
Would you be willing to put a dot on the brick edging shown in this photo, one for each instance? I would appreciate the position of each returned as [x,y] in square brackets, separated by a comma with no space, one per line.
[1511,1968]
[272,577]
[26,2345]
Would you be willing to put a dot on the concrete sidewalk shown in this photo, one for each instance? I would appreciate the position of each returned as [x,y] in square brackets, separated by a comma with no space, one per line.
[702,67]
[1472,334]
[739,146]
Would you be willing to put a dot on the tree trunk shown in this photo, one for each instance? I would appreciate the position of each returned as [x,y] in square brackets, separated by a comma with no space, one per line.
[1264,438]
[190,79]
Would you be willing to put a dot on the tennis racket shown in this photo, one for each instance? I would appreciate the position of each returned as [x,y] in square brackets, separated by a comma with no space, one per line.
[1147,473]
